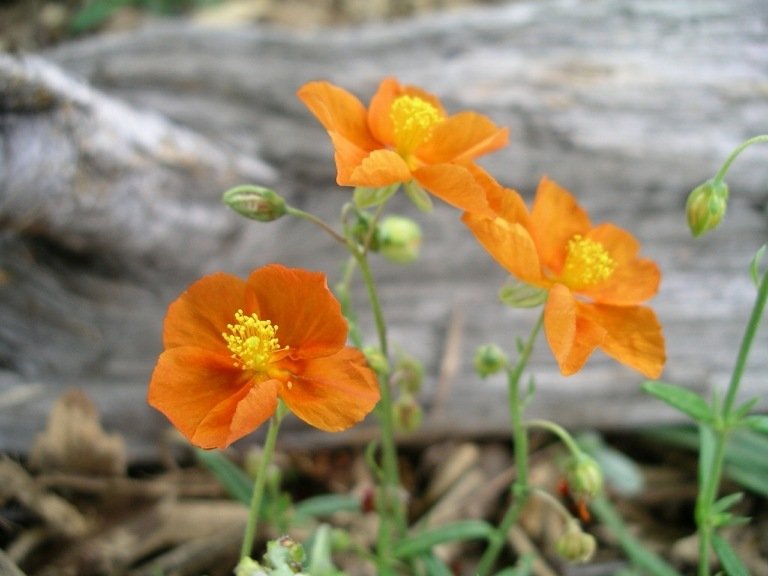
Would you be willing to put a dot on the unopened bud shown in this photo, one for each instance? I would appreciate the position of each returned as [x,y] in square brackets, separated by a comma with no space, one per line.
[706,206]
[575,545]
[255,202]
[408,375]
[376,359]
[399,239]
[489,359]
[285,555]
[407,413]
[584,477]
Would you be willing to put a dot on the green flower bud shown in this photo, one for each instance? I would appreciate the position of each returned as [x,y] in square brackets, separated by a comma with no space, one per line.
[575,545]
[584,477]
[255,202]
[706,206]
[408,375]
[407,414]
[376,360]
[489,359]
[519,295]
[361,232]
[399,239]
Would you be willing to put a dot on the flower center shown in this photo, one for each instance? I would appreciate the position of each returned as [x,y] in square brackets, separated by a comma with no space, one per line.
[413,120]
[587,263]
[251,341]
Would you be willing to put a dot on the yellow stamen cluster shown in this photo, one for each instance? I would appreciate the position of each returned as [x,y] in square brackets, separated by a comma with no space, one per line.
[587,263]
[251,341]
[413,120]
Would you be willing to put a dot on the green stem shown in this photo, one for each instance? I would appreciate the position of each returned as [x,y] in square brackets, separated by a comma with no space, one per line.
[520,489]
[392,512]
[708,493]
[290,210]
[727,164]
[261,476]
[558,431]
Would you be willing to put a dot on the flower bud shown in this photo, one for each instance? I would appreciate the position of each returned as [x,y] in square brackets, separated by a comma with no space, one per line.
[407,413]
[489,359]
[376,360]
[255,202]
[517,294]
[706,206]
[399,239]
[584,477]
[408,375]
[575,545]
[364,231]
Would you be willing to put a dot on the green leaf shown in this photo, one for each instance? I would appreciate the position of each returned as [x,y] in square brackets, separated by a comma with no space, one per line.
[726,502]
[435,566]
[236,482]
[95,13]
[424,541]
[681,398]
[365,197]
[759,423]
[740,412]
[754,267]
[327,504]
[728,558]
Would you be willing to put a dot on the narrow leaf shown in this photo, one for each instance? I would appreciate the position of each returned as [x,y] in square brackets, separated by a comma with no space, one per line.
[327,504]
[728,557]
[759,423]
[236,482]
[754,267]
[681,398]
[425,541]
[726,502]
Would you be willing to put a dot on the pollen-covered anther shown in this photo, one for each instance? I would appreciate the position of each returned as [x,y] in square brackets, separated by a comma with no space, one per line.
[587,263]
[413,120]
[252,341]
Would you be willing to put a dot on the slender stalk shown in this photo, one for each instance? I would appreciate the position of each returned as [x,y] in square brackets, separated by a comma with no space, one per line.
[708,493]
[261,476]
[558,431]
[727,164]
[290,210]
[392,511]
[520,489]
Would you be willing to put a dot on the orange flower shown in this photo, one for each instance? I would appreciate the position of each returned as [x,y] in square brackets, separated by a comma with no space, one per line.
[233,347]
[595,277]
[404,135]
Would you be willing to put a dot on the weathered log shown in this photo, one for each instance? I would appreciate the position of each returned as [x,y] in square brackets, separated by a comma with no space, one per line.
[628,106]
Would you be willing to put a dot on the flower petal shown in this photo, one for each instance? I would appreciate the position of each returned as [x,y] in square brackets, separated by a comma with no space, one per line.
[555,218]
[211,402]
[379,120]
[380,168]
[462,138]
[338,111]
[634,280]
[348,156]
[504,231]
[201,314]
[332,393]
[571,336]
[454,184]
[634,336]
[299,302]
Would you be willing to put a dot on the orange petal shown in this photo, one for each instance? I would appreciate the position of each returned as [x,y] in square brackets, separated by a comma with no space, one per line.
[299,302]
[379,120]
[634,336]
[200,315]
[453,184]
[462,138]
[332,393]
[555,218]
[206,398]
[571,336]
[338,111]
[634,280]
[348,157]
[380,168]
[509,244]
